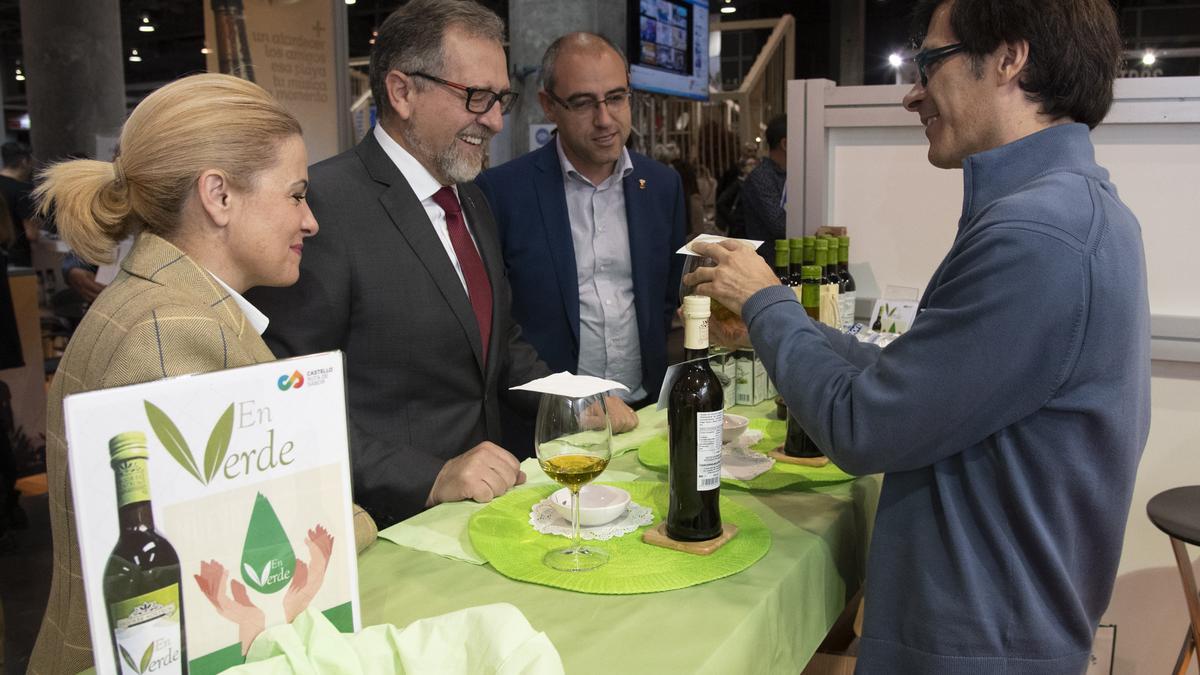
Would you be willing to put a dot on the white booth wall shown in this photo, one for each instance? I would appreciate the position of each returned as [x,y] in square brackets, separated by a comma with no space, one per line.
[857,159]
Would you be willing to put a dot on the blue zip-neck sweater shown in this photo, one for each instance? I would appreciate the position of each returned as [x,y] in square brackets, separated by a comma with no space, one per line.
[1009,420]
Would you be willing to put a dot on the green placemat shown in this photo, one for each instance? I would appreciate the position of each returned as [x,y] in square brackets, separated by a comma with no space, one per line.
[654,454]
[501,533]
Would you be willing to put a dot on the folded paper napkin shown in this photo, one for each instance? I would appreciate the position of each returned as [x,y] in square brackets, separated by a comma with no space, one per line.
[442,530]
[489,639]
[741,462]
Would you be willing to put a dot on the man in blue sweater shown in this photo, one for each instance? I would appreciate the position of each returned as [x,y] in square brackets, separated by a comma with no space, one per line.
[1009,421]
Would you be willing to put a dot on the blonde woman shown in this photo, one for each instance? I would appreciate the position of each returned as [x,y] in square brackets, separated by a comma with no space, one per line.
[211,179]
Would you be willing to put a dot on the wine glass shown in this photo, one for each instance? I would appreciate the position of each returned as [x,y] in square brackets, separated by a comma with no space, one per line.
[574,443]
[721,315]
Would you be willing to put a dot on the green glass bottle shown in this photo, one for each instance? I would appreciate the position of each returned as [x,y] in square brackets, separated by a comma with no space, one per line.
[831,263]
[821,258]
[849,293]
[810,293]
[810,250]
[796,245]
[797,443]
[783,258]
[142,582]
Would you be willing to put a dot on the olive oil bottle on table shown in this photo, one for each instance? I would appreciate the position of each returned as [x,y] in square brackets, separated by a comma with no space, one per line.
[695,417]
[783,259]
[848,295]
[142,583]
[798,444]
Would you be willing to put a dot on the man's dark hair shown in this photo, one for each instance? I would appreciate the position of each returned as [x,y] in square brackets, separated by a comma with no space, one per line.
[1074,48]
[776,131]
[14,154]
[410,40]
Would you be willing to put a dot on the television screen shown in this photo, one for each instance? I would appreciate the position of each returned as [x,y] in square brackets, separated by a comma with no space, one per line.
[668,47]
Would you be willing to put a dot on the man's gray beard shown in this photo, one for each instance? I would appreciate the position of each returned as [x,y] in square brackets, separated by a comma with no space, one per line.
[451,163]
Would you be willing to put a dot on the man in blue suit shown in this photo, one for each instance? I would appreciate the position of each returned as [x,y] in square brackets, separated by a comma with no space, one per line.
[589,229]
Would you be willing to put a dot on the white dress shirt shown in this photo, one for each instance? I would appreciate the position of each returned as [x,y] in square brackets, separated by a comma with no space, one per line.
[609,346]
[425,186]
[258,320]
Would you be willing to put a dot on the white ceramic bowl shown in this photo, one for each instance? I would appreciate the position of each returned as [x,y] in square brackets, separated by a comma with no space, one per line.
[734,426]
[598,504]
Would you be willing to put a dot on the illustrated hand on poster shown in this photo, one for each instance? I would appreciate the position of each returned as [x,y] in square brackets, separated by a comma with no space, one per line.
[239,609]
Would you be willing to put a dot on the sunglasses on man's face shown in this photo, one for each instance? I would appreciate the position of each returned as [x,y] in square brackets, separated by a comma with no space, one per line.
[926,58]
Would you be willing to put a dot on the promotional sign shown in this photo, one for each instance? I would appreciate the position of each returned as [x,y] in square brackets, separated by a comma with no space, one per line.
[209,507]
[286,47]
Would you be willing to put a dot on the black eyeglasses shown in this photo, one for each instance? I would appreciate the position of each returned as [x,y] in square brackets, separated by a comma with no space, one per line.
[584,104]
[479,101]
[927,57]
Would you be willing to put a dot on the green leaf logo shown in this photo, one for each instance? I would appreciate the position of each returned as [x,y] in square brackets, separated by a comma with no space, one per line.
[172,439]
[146,657]
[268,549]
[128,660]
[218,444]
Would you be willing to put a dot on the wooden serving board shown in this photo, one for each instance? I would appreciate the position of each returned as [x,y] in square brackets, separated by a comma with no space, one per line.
[657,536]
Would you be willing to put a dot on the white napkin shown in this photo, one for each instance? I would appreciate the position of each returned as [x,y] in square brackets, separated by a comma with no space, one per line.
[739,462]
[571,386]
[712,239]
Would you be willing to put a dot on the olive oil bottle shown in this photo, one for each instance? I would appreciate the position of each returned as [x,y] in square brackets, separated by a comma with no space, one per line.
[142,583]
[695,417]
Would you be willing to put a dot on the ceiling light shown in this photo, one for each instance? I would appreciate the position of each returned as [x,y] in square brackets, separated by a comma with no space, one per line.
[204,49]
[351,2]
[133,56]
[895,60]
[729,9]
[1149,58]
[20,75]
[145,26]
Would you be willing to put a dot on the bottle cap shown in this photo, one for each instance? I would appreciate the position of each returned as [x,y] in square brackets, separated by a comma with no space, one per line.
[782,245]
[810,272]
[126,446]
[822,243]
[843,241]
[697,306]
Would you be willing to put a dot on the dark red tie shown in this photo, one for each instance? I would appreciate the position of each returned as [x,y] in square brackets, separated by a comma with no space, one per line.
[479,289]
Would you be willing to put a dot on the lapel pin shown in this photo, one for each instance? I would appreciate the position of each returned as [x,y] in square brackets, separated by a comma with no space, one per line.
[641,183]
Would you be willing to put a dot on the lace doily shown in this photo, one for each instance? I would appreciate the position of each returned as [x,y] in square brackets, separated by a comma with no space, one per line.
[546,520]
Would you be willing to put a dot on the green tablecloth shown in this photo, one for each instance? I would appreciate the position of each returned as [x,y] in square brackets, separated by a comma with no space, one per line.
[768,619]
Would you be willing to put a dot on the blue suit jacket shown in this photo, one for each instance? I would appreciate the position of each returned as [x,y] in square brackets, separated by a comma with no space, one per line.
[530,205]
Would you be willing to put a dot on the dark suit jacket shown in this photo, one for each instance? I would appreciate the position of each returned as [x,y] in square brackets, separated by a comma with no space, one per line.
[376,283]
[530,203]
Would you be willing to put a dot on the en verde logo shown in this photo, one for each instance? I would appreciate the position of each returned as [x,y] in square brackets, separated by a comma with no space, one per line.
[148,664]
[295,380]
[176,446]
[268,561]
[145,663]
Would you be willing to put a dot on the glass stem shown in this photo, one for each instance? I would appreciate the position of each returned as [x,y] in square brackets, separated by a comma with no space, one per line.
[575,536]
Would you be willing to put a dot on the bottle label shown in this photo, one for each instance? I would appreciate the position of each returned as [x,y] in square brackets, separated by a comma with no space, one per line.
[695,333]
[847,306]
[147,632]
[133,481]
[708,449]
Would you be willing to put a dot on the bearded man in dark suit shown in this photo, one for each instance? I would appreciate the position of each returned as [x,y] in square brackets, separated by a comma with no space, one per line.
[407,277]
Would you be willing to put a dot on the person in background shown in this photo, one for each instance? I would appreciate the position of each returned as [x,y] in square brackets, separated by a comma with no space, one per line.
[407,276]
[593,266]
[15,188]
[1009,420]
[11,356]
[730,219]
[212,174]
[737,171]
[81,276]
[761,199]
